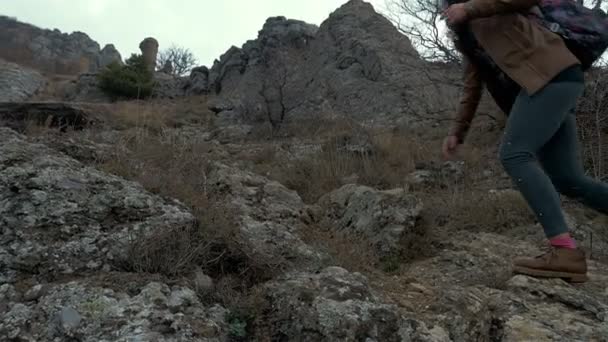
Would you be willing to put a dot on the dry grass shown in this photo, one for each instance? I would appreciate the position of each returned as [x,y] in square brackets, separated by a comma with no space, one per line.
[386,161]
[476,210]
[176,167]
[352,253]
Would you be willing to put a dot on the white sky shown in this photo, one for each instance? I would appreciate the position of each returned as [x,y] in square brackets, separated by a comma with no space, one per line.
[207,27]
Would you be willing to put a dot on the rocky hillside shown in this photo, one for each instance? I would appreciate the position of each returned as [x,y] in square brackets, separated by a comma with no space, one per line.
[52,51]
[334,219]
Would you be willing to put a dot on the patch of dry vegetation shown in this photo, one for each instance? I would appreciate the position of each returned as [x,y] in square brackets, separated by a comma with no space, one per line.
[155,115]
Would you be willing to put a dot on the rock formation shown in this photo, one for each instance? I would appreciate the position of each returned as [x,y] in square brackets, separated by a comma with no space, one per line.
[356,64]
[109,55]
[18,83]
[149,49]
[51,50]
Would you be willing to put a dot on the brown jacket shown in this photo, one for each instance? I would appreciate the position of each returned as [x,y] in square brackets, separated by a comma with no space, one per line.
[529,53]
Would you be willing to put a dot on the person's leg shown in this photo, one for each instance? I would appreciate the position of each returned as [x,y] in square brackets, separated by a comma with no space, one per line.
[562,162]
[532,124]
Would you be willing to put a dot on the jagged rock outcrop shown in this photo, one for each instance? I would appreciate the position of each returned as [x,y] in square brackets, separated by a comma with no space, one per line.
[51,50]
[18,83]
[109,55]
[387,219]
[198,82]
[356,64]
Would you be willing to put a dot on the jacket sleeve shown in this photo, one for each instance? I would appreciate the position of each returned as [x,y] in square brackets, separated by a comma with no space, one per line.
[486,8]
[469,101]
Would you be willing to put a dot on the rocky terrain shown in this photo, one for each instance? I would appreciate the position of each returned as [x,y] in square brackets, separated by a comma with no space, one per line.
[291,192]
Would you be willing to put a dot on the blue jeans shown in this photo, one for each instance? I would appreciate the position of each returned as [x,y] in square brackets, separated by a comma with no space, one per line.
[540,153]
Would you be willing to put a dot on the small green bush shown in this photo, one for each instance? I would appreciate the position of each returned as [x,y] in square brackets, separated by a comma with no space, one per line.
[132,80]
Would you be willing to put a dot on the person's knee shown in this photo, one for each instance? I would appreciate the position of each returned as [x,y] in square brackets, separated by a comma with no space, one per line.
[512,158]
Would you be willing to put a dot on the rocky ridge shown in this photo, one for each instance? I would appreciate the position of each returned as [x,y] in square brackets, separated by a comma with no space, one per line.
[294,69]
[51,50]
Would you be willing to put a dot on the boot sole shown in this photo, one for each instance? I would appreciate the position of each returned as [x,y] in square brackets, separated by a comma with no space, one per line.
[567,276]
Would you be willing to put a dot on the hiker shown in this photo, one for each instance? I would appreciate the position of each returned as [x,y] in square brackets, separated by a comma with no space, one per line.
[539,149]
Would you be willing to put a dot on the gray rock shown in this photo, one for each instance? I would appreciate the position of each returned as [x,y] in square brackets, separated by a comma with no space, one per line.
[481,300]
[386,218]
[89,313]
[14,322]
[267,217]
[68,319]
[168,86]
[34,293]
[336,305]
[109,55]
[353,65]
[49,50]
[58,215]
[18,83]
[86,89]
[198,82]
[8,293]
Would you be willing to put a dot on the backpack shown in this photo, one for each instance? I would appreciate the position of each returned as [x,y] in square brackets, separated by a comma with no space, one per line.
[584,30]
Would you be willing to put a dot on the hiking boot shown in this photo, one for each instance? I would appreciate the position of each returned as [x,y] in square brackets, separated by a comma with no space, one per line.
[568,264]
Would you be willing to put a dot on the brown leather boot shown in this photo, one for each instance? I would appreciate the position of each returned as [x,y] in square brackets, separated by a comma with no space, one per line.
[568,264]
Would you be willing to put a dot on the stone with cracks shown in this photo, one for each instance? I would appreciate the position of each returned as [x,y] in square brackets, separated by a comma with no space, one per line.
[79,311]
[58,217]
[336,305]
[18,83]
[268,217]
[386,218]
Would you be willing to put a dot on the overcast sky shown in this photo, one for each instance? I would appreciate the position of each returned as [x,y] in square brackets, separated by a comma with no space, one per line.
[207,27]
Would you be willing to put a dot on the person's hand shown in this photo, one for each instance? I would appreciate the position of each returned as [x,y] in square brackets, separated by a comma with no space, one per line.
[455,14]
[450,146]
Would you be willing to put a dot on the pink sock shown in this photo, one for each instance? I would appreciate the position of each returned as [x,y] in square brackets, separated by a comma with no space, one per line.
[563,242]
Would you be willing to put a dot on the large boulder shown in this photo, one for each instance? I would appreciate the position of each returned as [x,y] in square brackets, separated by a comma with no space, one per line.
[268,218]
[387,219]
[59,217]
[336,305]
[18,83]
